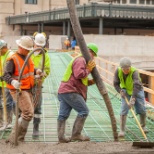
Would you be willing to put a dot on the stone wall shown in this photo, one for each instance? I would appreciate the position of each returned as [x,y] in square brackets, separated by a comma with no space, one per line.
[112,47]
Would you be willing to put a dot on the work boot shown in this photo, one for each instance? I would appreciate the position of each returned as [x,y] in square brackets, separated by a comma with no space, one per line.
[9,119]
[1,118]
[122,125]
[36,133]
[22,130]
[77,128]
[61,131]
[8,123]
[143,122]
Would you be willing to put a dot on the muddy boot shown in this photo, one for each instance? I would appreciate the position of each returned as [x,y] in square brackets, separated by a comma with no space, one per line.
[122,125]
[143,122]
[36,122]
[22,130]
[1,119]
[9,119]
[77,128]
[61,131]
[8,123]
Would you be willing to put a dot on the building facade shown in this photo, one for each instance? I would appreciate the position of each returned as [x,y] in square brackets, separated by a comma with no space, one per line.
[128,2]
[13,8]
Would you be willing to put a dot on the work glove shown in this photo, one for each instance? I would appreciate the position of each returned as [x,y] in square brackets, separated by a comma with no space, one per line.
[37,76]
[40,73]
[15,84]
[131,102]
[122,93]
[91,82]
[91,64]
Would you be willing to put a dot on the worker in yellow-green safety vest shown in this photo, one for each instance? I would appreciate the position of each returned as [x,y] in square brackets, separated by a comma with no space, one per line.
[4,54]
[39,41]
[72,94]
[128,83]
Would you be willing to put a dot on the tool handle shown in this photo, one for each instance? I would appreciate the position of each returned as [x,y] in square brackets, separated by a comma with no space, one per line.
[139,125]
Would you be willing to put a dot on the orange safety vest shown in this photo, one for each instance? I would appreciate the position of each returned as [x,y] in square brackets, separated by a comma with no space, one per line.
[27,79]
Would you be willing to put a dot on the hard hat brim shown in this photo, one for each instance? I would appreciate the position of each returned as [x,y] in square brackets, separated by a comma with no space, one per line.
[42,45]
[3,44]
[19,44]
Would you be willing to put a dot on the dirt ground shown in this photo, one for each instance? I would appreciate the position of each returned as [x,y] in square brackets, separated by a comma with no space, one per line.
[73,148]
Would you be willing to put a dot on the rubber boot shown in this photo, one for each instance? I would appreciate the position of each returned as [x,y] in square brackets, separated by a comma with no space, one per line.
[122,125]
[9,119]
[77,128]
[8,123]
[61,131]
[1,118]
[143,122]
[36,122]
[22,130]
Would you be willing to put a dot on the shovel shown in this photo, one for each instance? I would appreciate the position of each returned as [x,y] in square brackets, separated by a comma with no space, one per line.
[141,144]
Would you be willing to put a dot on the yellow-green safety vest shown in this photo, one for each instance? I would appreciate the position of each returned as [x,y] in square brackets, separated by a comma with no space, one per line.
[68,73]
[128,83]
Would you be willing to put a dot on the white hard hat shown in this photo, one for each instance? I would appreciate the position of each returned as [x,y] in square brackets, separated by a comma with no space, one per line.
[2,44]
[25,42]
[40,39]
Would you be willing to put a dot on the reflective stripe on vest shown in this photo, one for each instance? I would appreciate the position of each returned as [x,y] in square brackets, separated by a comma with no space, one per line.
[128,83]
[68,73]
[27,79]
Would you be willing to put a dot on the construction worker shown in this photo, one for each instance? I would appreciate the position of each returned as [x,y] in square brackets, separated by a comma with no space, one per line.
[67,43]
[128,83]
[72,94]
[39,41]
[4,54]
[11,74]
[73,43]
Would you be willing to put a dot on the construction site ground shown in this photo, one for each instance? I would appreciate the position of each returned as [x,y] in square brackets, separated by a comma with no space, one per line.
[97,126]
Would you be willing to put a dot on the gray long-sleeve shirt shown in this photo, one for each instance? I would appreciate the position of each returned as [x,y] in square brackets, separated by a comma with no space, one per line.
[137,84]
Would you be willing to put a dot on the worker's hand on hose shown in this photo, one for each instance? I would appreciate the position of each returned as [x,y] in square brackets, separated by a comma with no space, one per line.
[16,84]
[37,76]
[131,102]
[40,73]
[91,64]
[122,93]
[91,82]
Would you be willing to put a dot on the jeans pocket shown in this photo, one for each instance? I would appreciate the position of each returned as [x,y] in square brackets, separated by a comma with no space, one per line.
[73,96]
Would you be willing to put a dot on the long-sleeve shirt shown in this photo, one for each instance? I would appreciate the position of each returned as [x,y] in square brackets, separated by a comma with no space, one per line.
[3,61]
[137,84]
[74,84]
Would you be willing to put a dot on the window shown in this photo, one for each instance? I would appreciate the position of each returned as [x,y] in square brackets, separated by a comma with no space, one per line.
[141,1]
[132,1]
[77,2]
[124,1]
[30,1]
[118,1]
[148,1]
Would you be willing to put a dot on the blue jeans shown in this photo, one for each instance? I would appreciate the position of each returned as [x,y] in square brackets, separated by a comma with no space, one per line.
[69,101]
[139,104]
[10,104]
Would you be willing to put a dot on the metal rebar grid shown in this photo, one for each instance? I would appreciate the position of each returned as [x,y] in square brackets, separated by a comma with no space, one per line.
[97,126]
